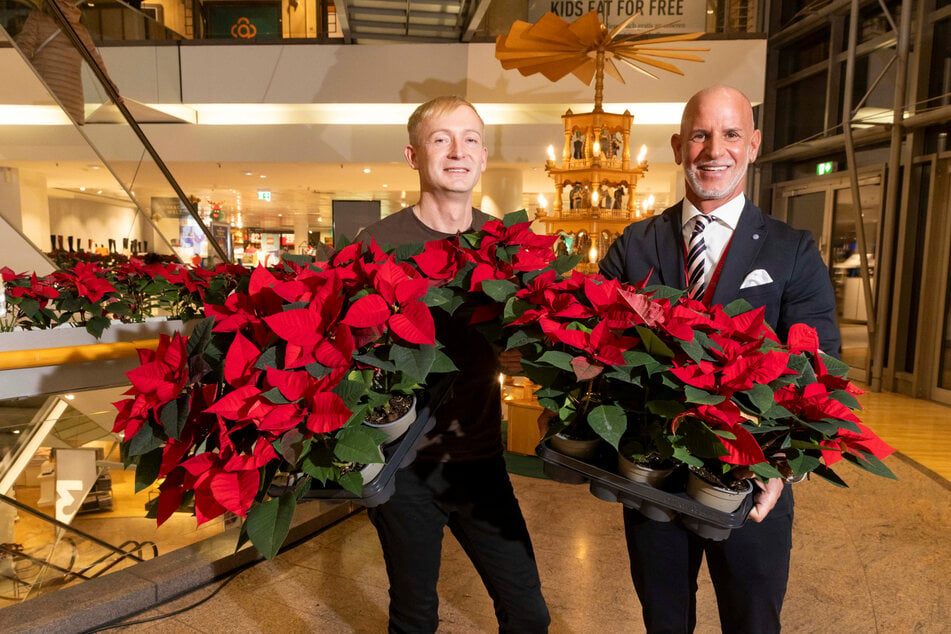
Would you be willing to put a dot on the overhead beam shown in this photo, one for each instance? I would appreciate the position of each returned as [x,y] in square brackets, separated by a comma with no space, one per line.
[474,20]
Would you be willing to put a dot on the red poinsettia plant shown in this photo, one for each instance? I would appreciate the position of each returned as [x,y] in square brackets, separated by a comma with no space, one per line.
[92,292]
[281,374]
[660,376]
[278,378]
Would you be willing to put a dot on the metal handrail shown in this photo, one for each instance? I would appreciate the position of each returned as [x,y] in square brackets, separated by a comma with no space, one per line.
[39,357]
[66,527]
[116,98]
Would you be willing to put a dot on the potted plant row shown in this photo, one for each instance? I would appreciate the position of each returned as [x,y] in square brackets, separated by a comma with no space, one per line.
[285,369]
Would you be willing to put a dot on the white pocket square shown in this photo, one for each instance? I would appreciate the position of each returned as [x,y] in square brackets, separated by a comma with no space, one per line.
[759,277]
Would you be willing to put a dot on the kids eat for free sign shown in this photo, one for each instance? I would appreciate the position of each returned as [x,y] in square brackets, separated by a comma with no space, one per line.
[672,16]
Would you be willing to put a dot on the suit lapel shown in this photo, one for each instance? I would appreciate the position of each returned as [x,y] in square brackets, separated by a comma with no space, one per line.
[748,238]
[670,247]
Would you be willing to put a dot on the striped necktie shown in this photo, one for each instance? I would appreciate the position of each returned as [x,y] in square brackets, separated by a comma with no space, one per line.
[696,259]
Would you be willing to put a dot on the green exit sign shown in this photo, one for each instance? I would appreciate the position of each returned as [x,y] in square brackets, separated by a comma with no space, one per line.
[826,168]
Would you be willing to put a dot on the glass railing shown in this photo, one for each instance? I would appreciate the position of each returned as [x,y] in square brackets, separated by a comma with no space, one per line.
[61,84]
[69,511]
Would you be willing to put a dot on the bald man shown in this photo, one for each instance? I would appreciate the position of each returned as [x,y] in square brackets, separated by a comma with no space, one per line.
[718,246]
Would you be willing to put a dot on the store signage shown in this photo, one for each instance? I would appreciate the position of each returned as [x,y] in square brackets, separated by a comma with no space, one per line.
[264,195]
[826,168]
[667,16]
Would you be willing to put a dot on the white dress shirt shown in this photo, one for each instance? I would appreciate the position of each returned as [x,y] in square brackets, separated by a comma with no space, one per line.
[717,233]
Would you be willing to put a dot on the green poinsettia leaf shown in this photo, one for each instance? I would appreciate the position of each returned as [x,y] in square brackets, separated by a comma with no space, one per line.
[442,364]
[870,463]
[147,469]
[800,462]
[737,307]
[846,398]
[544,374]
[351,391]
[318,462]
[317,370]
[376,362]
[173,415]
[557,359]
[520,338]
[641,359]
[826,428]
[513,218]
[700,440]
[683,455]
[406,251]
[499,290]
[359,444]
[701,397]
[693,349]
[765,470]
[145,441]
[760,398]
[665,408]
[834,366]
[352,481]
[274,396]
[95,325]
[413,363]
[268,359]
[565,263]
[609,422]
[438,296]
[828,474]
[269,522]
[652,343]
[200,338]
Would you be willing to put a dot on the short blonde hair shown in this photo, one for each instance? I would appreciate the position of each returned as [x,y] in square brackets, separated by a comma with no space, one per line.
[435,107]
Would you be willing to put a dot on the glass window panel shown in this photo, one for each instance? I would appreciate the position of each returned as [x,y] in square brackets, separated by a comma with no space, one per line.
[846,268]
[800,110]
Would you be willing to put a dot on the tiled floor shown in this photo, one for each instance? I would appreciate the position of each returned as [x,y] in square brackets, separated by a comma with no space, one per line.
[872,558]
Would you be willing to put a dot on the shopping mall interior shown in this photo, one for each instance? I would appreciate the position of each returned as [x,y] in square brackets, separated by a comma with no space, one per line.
[204,131]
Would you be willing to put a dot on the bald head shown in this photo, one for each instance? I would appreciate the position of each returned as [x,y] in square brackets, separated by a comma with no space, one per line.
[720,97]
[716,144]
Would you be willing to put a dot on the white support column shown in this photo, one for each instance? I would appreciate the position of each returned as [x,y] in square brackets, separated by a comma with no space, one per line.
[301,231]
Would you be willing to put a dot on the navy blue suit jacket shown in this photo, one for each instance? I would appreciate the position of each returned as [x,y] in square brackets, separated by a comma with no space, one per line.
[800,291]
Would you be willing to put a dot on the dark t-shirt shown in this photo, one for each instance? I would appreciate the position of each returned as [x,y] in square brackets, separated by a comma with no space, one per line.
[468,424]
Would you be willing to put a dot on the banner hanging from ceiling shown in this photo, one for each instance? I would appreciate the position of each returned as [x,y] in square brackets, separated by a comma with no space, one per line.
[667,16]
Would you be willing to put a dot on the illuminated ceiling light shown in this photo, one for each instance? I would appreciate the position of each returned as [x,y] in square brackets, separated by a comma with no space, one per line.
[69,397]
[263,176]
[249,173]
[82,189]
[385,185]
[366,170]
[99,191]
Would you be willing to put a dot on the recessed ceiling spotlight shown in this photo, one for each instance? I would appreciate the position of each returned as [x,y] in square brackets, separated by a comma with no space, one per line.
[99,191]
[385,185]
[366,170]
[82,189]
[249,173]
[263,176]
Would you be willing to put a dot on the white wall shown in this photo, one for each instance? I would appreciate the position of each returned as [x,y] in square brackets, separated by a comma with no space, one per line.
[88,219]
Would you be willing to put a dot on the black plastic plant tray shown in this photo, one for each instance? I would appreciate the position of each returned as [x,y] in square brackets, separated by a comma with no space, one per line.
[668,504]
[398,454]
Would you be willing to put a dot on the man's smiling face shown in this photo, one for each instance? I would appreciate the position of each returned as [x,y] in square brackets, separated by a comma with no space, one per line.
[716,144]
[450,155]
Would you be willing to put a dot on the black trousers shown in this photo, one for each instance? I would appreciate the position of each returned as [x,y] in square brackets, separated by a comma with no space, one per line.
[476,501]
[749,571]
